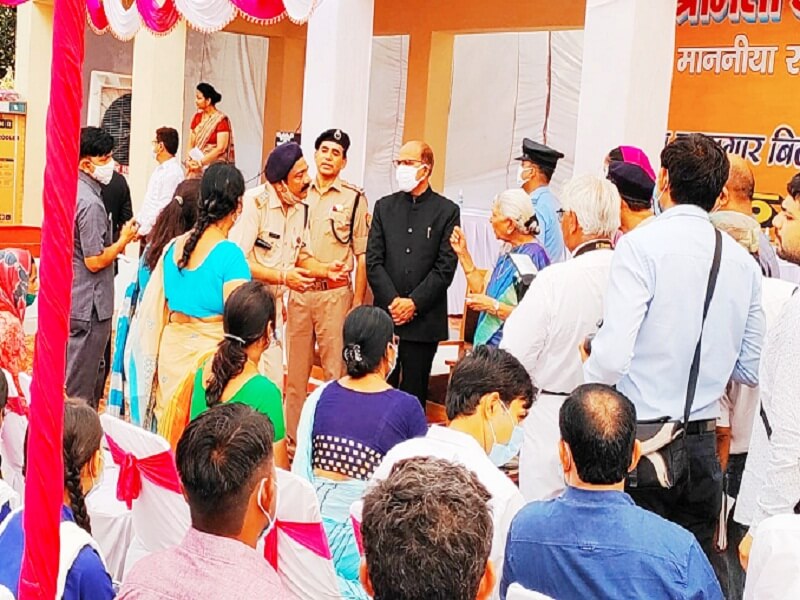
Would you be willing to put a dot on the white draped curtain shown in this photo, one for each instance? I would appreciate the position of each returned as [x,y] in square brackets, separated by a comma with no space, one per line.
[236,65]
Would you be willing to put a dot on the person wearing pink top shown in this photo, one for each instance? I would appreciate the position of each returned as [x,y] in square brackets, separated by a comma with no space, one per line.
[224,459]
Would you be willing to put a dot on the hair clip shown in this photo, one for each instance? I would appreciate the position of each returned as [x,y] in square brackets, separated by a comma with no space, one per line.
[179,200]
[234,338]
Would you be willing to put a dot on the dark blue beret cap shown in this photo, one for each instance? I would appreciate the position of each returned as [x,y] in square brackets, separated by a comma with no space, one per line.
[281,160]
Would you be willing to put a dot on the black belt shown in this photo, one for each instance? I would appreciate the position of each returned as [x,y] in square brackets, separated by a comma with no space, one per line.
[696,427]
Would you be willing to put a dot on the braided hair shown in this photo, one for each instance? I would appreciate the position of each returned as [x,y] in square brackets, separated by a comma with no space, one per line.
[82,437]
[248,312]
[221,189]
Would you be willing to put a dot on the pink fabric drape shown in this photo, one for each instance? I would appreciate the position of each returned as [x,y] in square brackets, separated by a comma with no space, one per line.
[96,15]
[44,490]
[159,19]
[17,405]
[261,11]
[308,535]
[158,469]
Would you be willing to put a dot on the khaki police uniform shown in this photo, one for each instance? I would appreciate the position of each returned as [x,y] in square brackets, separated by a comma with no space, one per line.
[276,240]
[318,315]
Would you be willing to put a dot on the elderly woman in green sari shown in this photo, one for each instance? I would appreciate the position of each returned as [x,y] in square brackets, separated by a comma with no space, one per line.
[495,296]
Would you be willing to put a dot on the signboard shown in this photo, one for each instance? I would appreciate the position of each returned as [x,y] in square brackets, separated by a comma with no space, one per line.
[12,161]
[281,137]
[736,79]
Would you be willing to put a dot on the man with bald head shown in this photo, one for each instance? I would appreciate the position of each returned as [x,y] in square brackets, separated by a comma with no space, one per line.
[410,265]
[737,196]
[593,541]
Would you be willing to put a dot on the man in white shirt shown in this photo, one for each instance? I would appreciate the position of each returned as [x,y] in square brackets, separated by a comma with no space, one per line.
[739,409]
[771,480]
[563,305]
[488,396]
[163,181]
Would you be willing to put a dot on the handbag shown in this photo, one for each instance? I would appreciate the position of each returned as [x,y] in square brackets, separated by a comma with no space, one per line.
[664,459]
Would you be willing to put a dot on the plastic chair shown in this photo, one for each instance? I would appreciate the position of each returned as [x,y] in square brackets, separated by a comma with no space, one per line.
[12,437]
[160,515]
[303,558]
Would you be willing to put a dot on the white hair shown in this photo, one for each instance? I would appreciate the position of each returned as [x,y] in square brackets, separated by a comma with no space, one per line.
[517,206]
[595,202]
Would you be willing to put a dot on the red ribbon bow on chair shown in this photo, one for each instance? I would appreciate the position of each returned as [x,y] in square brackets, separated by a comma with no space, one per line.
[308,535]
[158,469]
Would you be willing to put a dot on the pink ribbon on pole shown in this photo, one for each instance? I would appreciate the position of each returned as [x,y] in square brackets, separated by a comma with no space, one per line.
[44,489]
[158,469]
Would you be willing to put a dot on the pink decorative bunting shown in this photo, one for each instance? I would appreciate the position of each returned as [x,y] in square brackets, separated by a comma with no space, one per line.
[159,19]
[263,12]
[97,16]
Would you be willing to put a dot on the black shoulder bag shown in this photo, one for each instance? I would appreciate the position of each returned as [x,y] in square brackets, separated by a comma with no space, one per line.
[665,459]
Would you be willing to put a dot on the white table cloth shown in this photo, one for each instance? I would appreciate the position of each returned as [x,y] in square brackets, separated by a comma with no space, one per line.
[484,248]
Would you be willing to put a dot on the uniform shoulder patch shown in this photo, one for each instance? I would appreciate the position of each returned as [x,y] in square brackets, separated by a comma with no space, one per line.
[352,187]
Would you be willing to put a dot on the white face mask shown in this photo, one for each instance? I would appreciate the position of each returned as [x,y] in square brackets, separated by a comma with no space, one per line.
[393,362]
[271,518]
[406,176]
[103,173]
[521,180]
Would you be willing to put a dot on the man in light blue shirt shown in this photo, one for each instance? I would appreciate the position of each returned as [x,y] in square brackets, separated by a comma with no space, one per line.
[653,319]
[537,165]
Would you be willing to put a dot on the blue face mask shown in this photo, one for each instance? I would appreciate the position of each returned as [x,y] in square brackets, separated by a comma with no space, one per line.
[502,454]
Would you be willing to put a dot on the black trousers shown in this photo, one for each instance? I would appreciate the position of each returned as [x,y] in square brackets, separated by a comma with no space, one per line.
[413,368]
[726,563]
[695,502]
[86,368]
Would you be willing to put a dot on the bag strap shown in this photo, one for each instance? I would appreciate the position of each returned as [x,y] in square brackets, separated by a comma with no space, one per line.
[765,420]
[694,370]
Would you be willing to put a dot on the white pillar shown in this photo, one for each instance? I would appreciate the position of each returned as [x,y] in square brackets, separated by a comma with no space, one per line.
[336,88]
[156,100]
[32,80]
[628,50]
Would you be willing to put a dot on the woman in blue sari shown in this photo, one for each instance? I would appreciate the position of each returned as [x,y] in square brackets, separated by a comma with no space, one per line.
[514,223]
[348,426]
[175,219]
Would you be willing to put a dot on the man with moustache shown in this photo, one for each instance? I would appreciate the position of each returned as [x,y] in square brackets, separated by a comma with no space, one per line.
[273,233]
[338,231]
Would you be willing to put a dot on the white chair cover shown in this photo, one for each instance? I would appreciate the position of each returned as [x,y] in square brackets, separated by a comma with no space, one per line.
[12,440]
[25,382]
[517,592]
[160,517]
[112,522]
[306,575]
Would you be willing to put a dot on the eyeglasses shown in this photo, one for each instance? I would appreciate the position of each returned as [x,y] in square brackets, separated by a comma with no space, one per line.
[406,162]
[396,340]
[560,214]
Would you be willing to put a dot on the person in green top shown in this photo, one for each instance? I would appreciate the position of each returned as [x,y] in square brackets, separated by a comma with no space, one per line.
[232,374]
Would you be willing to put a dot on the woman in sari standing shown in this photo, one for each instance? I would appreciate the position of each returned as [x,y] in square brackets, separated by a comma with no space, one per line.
[180,318]
[347,427]
[211,132]
[514,223]
[178,217]
[18,288]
